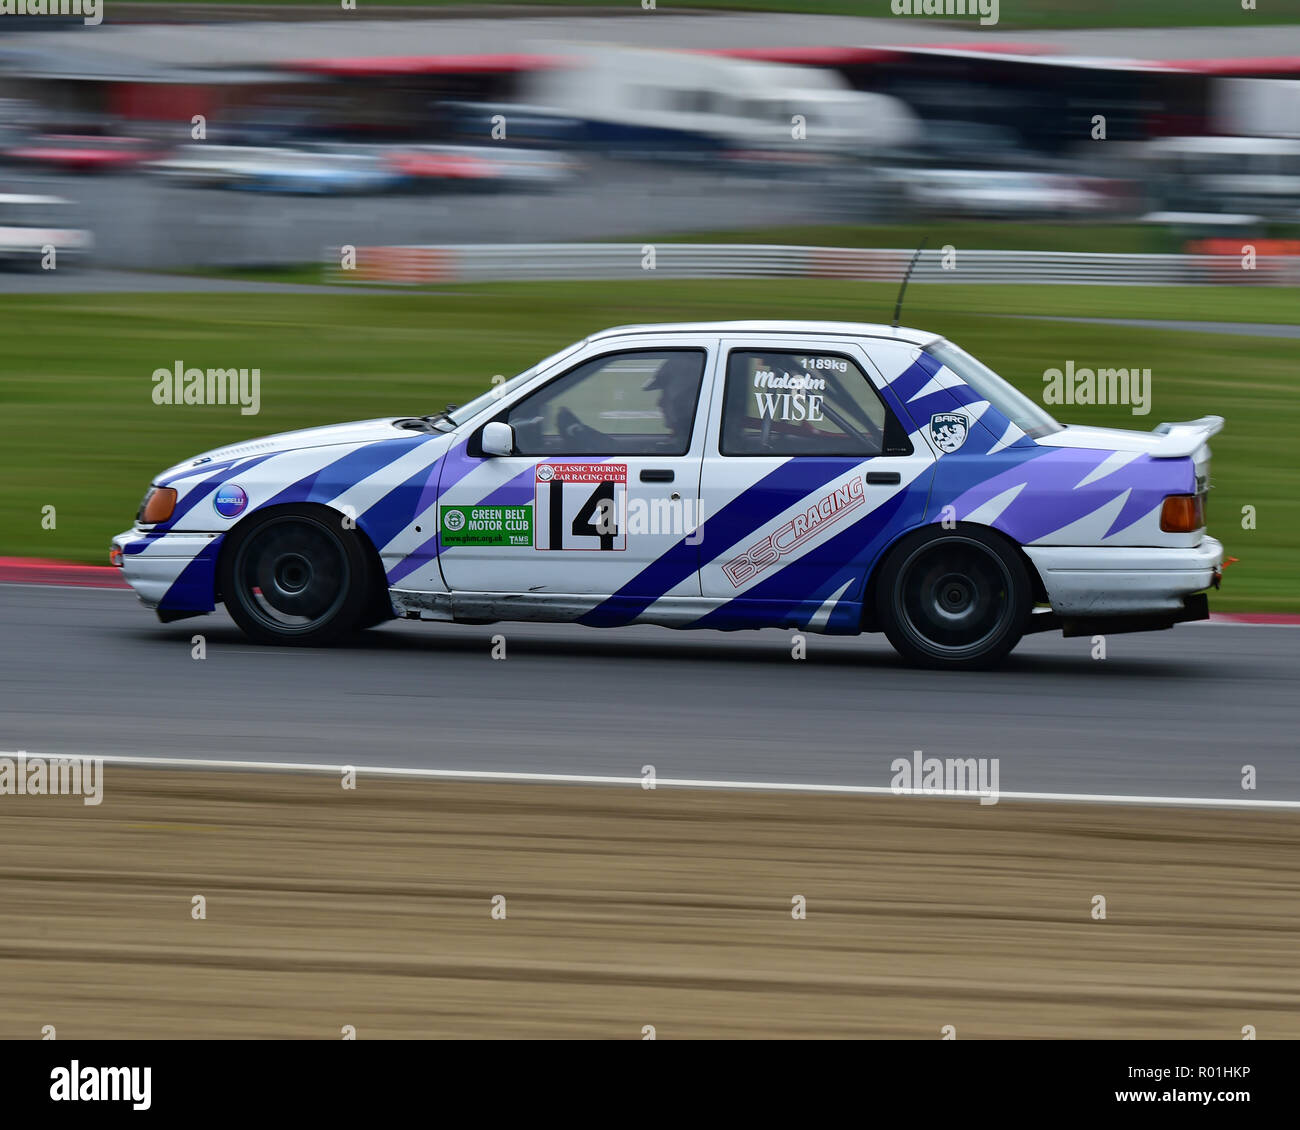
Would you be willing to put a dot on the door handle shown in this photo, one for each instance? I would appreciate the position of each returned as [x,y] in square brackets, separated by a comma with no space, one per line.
[884,477]
[656,476]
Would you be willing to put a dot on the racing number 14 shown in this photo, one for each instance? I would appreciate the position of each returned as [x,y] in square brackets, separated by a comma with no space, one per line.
[596,494]
[599,506]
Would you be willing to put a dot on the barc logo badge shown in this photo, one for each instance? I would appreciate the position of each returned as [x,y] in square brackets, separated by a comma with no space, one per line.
[948,430]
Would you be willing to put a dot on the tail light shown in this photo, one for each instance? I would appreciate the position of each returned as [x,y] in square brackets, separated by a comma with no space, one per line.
[1182,513]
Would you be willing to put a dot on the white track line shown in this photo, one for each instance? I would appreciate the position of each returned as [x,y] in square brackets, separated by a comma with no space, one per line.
[139,761]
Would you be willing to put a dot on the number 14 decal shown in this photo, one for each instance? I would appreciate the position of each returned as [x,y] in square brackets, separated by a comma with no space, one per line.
[577,506]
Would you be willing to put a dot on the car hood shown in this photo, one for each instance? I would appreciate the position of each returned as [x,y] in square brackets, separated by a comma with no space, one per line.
[358,431]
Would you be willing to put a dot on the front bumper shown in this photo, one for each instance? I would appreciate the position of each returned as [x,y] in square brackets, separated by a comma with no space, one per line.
[170,572]
[1122,581]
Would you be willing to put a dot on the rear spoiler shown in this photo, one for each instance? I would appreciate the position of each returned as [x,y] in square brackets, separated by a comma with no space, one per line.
[1185,438]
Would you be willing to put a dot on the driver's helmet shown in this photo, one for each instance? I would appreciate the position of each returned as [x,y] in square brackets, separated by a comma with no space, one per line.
[678,383]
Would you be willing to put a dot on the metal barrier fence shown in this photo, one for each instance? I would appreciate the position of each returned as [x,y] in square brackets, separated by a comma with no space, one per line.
[499,262]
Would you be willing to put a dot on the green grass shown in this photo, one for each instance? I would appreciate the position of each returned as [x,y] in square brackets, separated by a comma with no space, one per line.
[311,274]
[81,433]
[1012,13]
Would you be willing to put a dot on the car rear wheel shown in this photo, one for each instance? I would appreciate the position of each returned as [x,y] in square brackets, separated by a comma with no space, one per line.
[954,598]
[296,577]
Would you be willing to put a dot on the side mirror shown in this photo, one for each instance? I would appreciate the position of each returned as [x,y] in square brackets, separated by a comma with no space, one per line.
[498,439]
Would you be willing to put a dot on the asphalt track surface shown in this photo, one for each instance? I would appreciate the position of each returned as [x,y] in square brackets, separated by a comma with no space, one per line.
[1169,714]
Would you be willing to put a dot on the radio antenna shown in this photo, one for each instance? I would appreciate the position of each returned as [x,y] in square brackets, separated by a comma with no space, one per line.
[902,290]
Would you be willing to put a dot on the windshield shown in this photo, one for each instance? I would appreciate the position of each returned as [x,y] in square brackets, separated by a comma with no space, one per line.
[468,411]
[1013,404]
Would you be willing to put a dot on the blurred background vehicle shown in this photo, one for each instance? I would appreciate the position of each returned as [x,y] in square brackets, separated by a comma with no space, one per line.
[478,166]
[334,168]
[973,144]
[1255,175]
[222,166]
[998,193]
[88,153]
[31,226]
[312,169]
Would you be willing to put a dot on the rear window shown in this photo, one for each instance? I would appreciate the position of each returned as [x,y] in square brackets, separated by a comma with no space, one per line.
[782,403]
[1030,418]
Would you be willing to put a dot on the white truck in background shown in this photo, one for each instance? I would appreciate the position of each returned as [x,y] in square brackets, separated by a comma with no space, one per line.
[633,98]
[1257,107]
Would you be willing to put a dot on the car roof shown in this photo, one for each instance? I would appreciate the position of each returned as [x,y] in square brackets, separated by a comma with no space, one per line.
[792,328]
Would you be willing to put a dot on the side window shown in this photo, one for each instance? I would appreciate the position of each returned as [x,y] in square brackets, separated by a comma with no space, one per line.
[632,403]
[779,403]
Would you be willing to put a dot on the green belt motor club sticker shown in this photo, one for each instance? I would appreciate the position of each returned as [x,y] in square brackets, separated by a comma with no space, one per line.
[575,506]
[487,525]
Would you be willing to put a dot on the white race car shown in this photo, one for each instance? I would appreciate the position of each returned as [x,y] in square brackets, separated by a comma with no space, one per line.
[824,476]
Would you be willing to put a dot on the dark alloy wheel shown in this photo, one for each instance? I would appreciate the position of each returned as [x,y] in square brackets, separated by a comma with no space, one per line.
[296,577]
[957,599]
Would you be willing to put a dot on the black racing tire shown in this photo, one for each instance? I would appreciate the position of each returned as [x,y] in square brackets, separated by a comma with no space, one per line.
[956,599]
[296,576]
[378,611]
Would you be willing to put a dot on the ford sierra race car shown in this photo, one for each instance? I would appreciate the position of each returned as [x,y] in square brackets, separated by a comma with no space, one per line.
[820,476]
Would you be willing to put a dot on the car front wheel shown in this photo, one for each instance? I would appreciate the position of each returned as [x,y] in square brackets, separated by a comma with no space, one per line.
[954,598]
[296,577]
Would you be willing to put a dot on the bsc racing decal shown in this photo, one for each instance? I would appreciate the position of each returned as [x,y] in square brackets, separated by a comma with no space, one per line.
[807,524]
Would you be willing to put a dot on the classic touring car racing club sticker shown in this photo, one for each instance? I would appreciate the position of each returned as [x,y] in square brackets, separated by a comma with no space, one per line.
[577,505]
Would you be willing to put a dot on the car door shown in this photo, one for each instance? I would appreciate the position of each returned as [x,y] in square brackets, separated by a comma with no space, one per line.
[603,480]
[810,470]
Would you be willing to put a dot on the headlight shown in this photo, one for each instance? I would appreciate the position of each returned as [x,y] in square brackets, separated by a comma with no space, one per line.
[158,505]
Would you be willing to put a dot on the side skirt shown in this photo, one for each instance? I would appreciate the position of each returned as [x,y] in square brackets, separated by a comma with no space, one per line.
[667,612]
